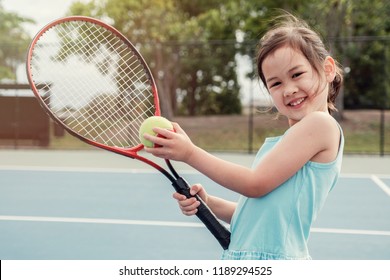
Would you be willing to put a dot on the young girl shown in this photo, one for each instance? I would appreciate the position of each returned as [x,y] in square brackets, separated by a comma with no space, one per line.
[292,174]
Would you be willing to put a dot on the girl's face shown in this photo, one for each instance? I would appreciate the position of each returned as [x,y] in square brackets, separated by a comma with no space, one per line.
[295,87]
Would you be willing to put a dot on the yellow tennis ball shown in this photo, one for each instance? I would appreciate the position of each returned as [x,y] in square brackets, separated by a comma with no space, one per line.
[148,125]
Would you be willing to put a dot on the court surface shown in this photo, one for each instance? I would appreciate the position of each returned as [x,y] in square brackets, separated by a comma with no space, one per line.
[97,205]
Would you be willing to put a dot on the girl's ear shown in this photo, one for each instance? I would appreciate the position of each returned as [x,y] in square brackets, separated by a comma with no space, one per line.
[330,69]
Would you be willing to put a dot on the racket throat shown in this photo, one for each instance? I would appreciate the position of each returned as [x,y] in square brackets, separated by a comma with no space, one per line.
[181,186]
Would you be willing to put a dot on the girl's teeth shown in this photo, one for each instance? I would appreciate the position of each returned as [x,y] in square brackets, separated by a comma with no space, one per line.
[297,102]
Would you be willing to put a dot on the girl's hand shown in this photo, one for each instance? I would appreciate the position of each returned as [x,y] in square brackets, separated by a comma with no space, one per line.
[189,205]
[174,145]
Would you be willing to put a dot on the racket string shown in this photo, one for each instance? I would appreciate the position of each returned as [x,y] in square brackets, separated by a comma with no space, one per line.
[112,118]
[117,121]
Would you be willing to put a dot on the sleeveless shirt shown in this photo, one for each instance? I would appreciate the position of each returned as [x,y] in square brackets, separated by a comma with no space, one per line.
[277,225]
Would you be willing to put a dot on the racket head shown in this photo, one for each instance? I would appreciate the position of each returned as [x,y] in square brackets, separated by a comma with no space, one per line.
[92,81]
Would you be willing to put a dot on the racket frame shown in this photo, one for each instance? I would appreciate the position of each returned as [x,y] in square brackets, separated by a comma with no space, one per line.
[204,213]
[129,152]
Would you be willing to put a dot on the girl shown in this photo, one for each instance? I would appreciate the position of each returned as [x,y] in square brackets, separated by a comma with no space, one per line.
[292,174]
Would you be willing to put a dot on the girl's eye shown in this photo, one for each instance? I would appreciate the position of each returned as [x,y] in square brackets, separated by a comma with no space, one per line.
[297,74]
[275,84]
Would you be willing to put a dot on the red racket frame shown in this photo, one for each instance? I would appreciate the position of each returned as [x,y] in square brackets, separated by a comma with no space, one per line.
[204,213]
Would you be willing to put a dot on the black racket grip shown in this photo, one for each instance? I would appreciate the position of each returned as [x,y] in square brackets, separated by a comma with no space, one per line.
[220,232]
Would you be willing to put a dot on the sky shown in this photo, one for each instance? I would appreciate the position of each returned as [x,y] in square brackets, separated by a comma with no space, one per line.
[45,11]
[42,11]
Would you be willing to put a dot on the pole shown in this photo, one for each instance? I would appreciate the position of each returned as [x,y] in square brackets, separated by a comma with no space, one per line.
[250,124]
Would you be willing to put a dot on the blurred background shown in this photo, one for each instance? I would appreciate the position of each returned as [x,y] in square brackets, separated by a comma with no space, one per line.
[202,56]
[62,200]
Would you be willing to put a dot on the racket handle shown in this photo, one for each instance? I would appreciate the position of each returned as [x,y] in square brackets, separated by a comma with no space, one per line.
[220,232]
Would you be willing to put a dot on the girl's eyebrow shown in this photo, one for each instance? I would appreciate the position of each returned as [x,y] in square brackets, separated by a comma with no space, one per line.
[295,68]
[270,79]
[289,71]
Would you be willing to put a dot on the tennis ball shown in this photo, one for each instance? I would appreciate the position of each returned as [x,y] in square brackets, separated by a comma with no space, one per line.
[148,125]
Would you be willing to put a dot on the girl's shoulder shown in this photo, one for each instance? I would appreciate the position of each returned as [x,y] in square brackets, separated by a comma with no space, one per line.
[325,131]
[318,123]
[319,118]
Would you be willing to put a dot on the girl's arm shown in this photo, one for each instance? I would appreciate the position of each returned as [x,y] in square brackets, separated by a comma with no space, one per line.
[316,138]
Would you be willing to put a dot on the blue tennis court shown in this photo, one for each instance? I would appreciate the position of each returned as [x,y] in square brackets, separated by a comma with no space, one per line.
[95,205]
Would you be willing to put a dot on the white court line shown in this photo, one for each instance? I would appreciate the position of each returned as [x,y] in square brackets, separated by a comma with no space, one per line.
[381,184]
[98,221]
[146,170]
[351,231]
[168,224]
[363,175]
[75,169]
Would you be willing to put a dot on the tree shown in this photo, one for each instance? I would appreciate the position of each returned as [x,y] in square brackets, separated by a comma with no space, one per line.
[192,45]
[367,82]
[356,32]
[13,43]
[358,35]
[211,65]
[177,38]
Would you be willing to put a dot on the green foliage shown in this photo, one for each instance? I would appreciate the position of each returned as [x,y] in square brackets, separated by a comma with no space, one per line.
[367,85]
[357,33]
[192,46]
[13,43]
[179,40]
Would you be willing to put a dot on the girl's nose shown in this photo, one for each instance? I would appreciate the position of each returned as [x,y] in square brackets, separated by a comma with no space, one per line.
[290,89]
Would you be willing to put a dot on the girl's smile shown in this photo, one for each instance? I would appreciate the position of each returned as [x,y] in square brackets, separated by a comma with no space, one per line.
[296,102]
[295,87]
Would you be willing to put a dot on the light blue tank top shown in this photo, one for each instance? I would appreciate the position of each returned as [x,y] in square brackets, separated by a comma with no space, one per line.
[277,225]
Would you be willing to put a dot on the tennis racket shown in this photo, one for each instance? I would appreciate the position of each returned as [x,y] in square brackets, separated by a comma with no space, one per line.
[94,83]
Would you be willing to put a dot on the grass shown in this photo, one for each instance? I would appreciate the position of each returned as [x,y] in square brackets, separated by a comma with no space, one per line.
[67,142]
[231,133]
[362,132]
